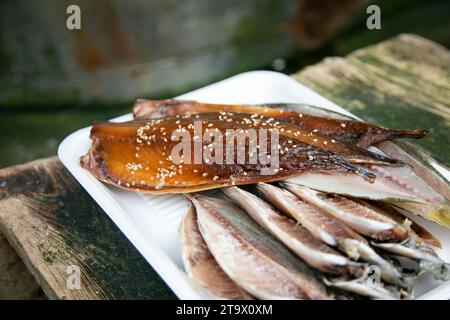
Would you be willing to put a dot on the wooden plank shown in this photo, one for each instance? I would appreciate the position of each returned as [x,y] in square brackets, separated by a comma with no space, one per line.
[15,280]
[53,224]
[400,83]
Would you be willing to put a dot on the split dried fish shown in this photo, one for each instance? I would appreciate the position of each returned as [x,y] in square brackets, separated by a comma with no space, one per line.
[294,236]
[137,155]
[418,160]
[415,246]
[348,131]
[252,258]
[417,233]
[331,231]
[397,185]
[426,256]
[200,264]
[357,216]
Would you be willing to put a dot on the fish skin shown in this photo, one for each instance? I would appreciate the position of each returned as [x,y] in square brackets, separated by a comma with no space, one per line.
[418,160]
[417,233]
[251,257]
[357,216]
[331,231]
[350,132]
[115,146]
[294,236]
[318,222]
[350,153]
[200,264]
[395,185]
[437,212]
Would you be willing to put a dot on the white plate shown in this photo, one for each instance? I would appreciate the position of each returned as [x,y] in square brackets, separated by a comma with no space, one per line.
[151,222]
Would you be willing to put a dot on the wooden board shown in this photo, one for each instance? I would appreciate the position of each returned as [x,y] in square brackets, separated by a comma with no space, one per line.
[53,224]
[15,280]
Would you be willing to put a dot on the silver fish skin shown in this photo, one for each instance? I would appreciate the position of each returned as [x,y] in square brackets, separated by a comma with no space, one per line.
[427,257]
[201,266]
[397,185]
[294,236]
[320,224]
[360,218]
[252,258]
[331,231]
[417,233]
[419,161]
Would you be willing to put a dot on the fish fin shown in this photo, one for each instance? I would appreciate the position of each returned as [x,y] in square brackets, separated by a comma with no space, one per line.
[364,287]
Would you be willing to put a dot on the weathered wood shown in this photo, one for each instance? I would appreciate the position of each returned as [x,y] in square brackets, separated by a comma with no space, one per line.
[400,83]
[15,280]
[53,225]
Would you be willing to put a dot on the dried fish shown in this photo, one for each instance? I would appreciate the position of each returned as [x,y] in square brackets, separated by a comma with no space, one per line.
[437,211]
[331,231]
[417,233]
[351,132]
[200,264]
[357,216]
[428,258]
[397,185]
[419,161]
[294,236]
[137,155]
[251,257]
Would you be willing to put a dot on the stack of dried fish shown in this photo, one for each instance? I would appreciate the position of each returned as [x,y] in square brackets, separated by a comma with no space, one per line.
[329,225]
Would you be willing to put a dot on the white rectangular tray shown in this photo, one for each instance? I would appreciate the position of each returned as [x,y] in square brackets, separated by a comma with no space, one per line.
[151,222]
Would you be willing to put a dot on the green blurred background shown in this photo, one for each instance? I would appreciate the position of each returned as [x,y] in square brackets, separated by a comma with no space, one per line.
[54,81]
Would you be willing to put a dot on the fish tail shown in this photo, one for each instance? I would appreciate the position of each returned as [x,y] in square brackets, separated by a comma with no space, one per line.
[366,175]
[441,215]
[415,134]
[363,287]
[368,140]
[440,271]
